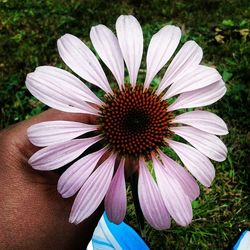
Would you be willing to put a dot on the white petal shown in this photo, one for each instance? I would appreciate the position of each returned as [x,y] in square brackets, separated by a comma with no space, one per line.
[187,182]
[75,176]
[130,39]
[115,200]
[107,46]
[53,132]
[82,61]
[208,144]
[151,202]
[201,97]
[161,47]
[58,155]
[197,78]
[203,120]
[58,94]
[92,192]
[176,201]
[189,56]
[197,163]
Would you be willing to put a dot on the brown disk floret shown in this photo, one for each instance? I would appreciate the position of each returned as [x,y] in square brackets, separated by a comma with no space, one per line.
[134,122]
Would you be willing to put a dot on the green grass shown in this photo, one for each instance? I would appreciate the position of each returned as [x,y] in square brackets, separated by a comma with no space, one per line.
[29,30]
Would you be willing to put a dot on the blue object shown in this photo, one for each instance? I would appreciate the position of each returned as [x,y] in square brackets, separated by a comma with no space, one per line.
[109,236]
[243,242]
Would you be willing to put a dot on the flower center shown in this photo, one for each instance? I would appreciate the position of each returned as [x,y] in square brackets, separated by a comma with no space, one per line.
[134,122]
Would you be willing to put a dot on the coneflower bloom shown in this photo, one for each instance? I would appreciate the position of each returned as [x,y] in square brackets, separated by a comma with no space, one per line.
[133,121]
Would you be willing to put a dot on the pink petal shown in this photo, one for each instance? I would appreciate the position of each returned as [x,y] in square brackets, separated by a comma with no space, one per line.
[75,176]
[151,202]
[208,144]
[203,120]
[176,201]
[58,155]
[162,46]
[201,97]
[187,182]
[115,200]
[58,93]
[82,61]
[197,78]
[107,46]
[53,132]
[69,82]
[197,163]
[189,56]
[130,39]
[93,191]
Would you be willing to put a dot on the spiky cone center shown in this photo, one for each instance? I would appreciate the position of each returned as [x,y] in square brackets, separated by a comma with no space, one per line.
[134,121]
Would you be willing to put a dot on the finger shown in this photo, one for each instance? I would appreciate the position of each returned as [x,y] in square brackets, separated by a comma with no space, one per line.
[53,114]
[17,134]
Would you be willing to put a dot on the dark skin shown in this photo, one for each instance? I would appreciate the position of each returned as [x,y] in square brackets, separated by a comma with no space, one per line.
[33,214]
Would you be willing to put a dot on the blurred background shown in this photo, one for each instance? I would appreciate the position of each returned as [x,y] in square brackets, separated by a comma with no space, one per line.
[29,30]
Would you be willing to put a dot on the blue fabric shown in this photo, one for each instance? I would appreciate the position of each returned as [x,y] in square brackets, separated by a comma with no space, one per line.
[101,242]
[127,238]
[239,240]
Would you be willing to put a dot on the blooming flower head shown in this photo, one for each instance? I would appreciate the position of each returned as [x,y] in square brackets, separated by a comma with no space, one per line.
[133,121]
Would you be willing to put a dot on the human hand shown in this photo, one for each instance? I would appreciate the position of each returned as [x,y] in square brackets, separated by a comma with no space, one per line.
[33,214]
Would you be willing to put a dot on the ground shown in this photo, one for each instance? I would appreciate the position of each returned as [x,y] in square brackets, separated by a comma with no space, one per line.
[29,30]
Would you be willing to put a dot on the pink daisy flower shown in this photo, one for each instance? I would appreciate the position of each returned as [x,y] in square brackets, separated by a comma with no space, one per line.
[134,121]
